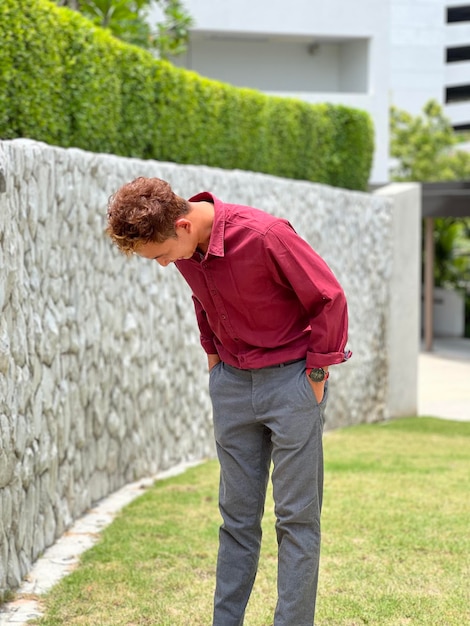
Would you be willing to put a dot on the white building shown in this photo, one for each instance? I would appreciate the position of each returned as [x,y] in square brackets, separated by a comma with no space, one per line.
[430,56]
[368,54]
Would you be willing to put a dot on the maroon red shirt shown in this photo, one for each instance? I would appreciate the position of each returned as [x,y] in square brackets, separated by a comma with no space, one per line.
[262,295]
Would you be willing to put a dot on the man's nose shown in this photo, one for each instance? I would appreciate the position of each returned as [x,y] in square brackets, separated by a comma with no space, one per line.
[163,262]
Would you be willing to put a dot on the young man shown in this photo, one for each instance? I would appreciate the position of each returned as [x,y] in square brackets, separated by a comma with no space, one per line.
[272,319]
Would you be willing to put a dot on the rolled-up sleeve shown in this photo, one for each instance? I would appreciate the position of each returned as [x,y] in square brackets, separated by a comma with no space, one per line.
[319,292]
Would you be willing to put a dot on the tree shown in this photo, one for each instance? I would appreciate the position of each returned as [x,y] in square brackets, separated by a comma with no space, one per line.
[128,20]
[425,147]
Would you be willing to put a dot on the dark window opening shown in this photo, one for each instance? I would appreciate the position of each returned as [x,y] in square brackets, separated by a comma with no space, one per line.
[458,94]
[458,14]
[459,53]
[460,128]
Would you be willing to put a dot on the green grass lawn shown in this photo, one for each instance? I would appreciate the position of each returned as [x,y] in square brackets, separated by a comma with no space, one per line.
[396,541]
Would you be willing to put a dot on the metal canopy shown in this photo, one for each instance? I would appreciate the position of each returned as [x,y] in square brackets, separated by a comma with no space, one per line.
[446,199]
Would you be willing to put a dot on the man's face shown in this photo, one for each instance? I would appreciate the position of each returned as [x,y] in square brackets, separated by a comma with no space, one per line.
[173,249]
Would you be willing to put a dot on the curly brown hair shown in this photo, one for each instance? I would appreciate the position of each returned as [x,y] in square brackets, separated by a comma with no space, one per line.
[142,211]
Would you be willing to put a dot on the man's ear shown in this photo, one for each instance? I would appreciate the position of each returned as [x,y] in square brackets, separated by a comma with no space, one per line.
[183,222]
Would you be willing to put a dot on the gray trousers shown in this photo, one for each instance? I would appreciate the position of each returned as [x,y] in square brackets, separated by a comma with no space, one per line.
[263,415]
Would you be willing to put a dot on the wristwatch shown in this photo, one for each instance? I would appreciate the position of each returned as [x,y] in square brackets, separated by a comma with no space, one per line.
[317,374]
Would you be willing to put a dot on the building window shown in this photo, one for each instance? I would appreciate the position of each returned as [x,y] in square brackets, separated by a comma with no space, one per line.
[458,53]
[458,14]
[461,93]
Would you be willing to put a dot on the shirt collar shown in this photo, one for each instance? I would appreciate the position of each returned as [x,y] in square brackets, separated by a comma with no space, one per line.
[216,242]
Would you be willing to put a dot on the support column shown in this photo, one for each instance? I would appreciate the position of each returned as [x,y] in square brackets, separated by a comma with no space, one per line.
[429,283]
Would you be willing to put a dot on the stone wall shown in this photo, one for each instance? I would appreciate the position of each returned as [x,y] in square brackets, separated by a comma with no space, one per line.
[102,379]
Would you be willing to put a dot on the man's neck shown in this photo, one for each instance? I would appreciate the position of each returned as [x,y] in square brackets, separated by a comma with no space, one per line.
[203,218]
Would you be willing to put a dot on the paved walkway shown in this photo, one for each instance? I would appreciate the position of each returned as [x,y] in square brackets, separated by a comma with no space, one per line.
[443,391]
[444,380]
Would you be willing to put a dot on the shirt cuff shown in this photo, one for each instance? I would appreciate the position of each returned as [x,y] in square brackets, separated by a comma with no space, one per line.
[319,359]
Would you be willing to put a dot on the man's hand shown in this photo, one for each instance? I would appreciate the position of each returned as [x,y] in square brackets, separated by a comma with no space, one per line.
[212,359]
[318,389]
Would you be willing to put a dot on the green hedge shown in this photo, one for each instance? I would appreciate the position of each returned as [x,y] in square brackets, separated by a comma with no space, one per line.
[65,82]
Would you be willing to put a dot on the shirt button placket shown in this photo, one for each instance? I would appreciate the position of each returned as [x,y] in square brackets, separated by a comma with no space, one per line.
[218,303]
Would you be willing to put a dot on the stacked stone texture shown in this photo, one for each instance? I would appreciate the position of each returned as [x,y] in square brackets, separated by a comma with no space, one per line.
[102,378]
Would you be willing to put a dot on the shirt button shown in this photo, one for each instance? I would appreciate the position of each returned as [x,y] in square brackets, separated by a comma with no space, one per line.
[213,291]
[222,317]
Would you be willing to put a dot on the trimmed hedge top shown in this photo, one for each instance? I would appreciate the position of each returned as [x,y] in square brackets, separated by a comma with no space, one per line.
[68,83]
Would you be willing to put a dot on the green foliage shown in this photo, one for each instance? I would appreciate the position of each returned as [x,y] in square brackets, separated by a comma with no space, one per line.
[128,20]
[66,82]
[172,34]
[450,266]
[425,147]
[353,138]
[122,17]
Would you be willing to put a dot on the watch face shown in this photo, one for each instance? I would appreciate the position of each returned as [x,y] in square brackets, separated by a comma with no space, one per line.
[317,374]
